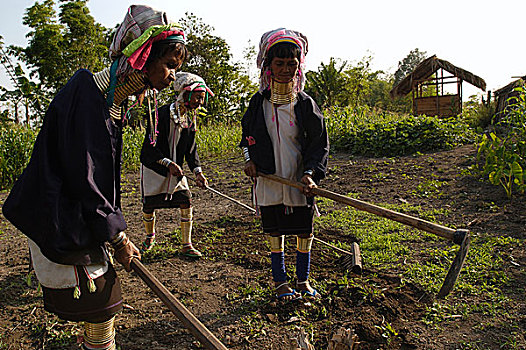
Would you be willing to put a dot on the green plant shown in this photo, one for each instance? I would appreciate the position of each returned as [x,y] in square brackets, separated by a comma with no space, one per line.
[55,334]
[503,155]
[387,331]
[132,140]
[429,188]
[361,131]
[502,162]
[16,144]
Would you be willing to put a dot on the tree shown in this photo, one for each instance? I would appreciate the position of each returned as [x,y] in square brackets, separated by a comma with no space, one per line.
[408,64]
[58,47]
[87,44]
[341,84]
[379,96]
[358,79]
[210,58]
[25,91]
[327,85]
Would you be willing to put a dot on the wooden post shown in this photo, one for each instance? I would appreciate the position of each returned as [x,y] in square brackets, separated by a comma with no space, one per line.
[438,95]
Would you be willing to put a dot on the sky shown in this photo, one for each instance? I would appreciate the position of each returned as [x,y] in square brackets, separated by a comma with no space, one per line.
[477,35]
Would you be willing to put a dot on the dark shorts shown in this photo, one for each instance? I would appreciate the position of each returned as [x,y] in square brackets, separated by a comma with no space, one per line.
[160,201]
[95,307]
[276,219]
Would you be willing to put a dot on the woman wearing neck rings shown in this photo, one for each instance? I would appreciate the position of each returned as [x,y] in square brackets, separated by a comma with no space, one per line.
[284,133]
[67,201]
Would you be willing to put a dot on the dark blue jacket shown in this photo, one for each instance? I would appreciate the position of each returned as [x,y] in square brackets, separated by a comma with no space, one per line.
[67,200]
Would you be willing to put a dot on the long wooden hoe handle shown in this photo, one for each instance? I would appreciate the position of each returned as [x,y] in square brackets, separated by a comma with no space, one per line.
[205,337]
[439,230]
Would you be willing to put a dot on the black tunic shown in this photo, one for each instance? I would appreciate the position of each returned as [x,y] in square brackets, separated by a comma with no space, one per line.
[186,148]
[67,200]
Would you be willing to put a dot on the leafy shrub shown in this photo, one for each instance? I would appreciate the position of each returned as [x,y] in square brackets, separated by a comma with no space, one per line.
[503,155]
[132,140]
[371,134]
[479,115]
[16,145]
[218,139]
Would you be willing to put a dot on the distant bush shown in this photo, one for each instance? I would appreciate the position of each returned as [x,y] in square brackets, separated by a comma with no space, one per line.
[16,144]
[362,132]
[479,115]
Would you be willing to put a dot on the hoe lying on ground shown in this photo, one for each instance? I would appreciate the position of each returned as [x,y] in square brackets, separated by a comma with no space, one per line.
[198,330]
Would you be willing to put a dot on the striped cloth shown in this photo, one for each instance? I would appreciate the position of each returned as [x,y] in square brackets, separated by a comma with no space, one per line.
[276,36]
[137,25]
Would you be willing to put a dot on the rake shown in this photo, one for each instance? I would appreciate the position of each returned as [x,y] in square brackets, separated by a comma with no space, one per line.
[459,236]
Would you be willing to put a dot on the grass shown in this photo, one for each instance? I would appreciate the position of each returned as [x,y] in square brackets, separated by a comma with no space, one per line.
[164,249]
[423,259]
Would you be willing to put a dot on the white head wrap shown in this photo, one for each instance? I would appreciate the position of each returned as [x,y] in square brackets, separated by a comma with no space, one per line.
[185,81]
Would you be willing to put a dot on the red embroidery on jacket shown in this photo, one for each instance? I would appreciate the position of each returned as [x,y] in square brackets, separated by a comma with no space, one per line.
[251,141]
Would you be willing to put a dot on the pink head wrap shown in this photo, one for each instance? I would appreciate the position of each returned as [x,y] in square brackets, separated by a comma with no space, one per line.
[276,36]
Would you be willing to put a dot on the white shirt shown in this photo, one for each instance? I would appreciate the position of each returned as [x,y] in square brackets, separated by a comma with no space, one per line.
[58,276]
[284,134]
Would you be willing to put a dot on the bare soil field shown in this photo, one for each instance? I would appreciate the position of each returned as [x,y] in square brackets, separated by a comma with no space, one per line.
[229,289]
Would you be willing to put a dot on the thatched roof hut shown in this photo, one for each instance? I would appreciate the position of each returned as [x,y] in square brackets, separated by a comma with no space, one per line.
[430,72]
[503,95]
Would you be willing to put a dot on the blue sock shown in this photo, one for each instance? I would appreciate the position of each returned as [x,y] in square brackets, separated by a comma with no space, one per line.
[278,267]
[302,265]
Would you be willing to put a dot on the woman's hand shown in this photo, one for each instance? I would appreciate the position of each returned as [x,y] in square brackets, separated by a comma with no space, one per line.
[201,180]
[250,169]
[125,251]
[309,184]
[175,170]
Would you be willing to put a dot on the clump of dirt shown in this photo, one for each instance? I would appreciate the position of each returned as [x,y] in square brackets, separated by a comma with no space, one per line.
[228,289]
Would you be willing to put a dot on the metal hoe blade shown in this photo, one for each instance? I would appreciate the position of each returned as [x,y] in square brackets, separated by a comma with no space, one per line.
[458,262]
